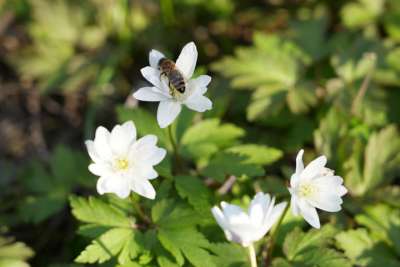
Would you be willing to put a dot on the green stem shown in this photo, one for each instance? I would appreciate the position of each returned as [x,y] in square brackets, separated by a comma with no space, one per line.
[139,210]
[174,147]
[273,235]
[252,256]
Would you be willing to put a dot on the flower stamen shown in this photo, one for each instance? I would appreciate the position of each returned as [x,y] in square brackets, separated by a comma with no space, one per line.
[305,190]
[122,164]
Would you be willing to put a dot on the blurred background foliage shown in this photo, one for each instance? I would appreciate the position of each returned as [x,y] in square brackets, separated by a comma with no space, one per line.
[323,75]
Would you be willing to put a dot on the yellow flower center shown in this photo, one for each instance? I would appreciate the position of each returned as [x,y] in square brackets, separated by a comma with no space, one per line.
[306,190]
[122,164]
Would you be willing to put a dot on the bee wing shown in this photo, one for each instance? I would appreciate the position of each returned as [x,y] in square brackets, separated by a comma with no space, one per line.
[186,61]
[154,58]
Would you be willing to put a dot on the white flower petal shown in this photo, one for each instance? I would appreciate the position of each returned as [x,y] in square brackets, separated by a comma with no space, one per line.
[100,169]
[234,214]
[102,143]
[331,184]
[314,168]
[155,155]
[274,216]
[152,75]
[187,59]
[154,58]
[199,85]
[258,208]
[114,185]
[295,178]
[144,188]
[122,137]
[130,129]
[220,218]
[92,151]
[309,213]
[198,103]
[150,94]
[293,205]
[326,201]
[167,112]
[147,172]
[147,140]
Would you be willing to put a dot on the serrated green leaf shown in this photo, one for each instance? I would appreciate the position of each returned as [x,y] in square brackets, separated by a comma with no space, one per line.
[107,246]
[213,132]
[169,214]
[194,190]
[96,211]
[223,164]
[365,251]
[188,242]
[257,154]
[297,241]
[229,254]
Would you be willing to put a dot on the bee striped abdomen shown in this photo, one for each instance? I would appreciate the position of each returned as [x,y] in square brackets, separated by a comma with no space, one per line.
[177,81]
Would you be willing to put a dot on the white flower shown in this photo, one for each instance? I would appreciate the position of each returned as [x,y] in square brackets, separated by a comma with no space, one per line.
[246,228]
[171,100]
[123,163]
[315,186]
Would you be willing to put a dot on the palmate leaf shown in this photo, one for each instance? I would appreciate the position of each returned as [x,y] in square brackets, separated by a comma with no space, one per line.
[363,250]
[48,186]
[14,254]
[194,190]
[177,233]
[383,223]
[311,249]
[224,164]
[205,138]
[270,67]
[229,255]
[96,211]
[110,226]
[257,154]
[111,243]
[362,12]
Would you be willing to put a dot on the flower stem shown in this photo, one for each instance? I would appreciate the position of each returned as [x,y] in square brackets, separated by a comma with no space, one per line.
[139,210]
[252,256]
[174,147]
[273,235]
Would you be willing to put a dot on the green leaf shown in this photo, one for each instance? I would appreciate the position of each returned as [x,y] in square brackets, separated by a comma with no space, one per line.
[382,157]
[169,214]
[362,12]
[224,164]
[108,245]
[229,254]
[270,67]
[384,224]
[257,153]
[213,132]
[205,138]
[194,190]
[145,122]
[188,242]
[296,242]
[311,248]
[96,211]
[364,250]
[14,254]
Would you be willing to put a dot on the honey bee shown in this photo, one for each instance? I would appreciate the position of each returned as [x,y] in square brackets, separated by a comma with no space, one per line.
[176,81]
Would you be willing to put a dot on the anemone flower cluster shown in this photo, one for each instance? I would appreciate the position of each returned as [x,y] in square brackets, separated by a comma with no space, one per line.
[125,163]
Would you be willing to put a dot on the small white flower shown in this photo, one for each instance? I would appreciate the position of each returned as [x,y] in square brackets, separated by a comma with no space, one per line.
[246,228]
[315,186]
[123,163]
[171,101]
